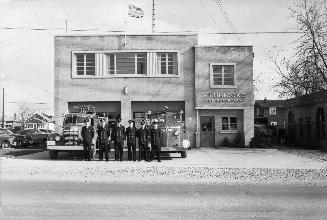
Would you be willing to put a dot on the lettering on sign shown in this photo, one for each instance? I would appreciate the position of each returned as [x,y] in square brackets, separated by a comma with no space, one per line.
[223,97]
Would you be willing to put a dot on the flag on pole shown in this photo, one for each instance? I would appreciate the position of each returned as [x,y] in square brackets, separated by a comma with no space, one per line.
[135,12]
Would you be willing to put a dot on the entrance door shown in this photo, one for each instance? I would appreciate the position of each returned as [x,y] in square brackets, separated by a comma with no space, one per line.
[207,135]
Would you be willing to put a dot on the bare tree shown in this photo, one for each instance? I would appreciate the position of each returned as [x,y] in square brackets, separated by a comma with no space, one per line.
[294,79]
[311,49]
[306,71]
[25,111]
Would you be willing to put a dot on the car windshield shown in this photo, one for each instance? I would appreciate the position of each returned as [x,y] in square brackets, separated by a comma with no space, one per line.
[74,119]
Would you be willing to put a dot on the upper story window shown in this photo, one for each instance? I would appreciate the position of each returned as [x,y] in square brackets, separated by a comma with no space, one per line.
[167,63]
[272,111]
[222,75]
[85,64]
[125,64]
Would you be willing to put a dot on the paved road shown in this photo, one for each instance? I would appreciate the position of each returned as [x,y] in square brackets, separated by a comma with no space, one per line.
[73,200]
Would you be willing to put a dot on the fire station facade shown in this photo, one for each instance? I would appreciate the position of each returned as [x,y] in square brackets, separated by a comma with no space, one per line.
[134,74]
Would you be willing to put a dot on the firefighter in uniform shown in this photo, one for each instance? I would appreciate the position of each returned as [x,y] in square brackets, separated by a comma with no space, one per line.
[103,138]
[131,140]
[155,135]
[143,137]
[87,135]
[119,137]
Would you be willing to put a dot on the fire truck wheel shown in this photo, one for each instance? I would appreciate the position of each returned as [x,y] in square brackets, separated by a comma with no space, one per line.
[184,154]
[53,154]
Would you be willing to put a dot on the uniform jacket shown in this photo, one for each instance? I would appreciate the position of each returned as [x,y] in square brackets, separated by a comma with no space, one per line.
[87,134]
[155,135]
[118,133]
[131,135]
[143,135]
[103,133]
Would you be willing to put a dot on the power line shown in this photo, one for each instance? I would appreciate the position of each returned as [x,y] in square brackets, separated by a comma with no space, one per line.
[227,18]
[182,31]
[209,15]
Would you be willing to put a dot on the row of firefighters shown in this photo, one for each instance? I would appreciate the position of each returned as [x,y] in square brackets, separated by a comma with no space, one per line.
[118,135]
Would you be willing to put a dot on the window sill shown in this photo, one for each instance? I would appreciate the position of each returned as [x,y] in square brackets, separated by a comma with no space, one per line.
[229,132]
[222,87]
[124,76]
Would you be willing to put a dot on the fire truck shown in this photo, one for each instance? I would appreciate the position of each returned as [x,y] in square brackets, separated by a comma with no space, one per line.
[70,139]
[173,139]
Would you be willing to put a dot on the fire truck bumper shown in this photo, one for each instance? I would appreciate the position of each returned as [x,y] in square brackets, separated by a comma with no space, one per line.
[52,146]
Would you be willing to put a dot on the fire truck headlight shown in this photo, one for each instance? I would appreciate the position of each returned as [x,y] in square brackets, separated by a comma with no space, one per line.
[186,143]
[57,138]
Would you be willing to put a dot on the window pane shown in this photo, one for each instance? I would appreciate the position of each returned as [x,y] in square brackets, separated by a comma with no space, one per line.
[141,63]
[233,120]
[163,63]
[229,69]
[217,69]
[111,61]
[217,79]
[224,120]
[125,63]
[233,127]
[224,127]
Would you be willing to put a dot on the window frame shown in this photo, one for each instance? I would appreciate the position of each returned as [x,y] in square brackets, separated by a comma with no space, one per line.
[229,124]
[101,65]
[84,64]
[271,112]
[212,85]
[175,67]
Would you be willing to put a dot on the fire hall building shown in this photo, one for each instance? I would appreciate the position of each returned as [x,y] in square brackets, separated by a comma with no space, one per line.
[131,75]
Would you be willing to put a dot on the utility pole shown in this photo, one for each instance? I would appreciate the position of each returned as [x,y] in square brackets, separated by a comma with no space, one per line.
[153,17]
[3,107]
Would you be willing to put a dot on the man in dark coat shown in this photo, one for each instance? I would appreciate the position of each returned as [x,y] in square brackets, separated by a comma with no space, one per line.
[87,135]
[131,140]
[103,137]
[155,135]
[119,137]
[143,137]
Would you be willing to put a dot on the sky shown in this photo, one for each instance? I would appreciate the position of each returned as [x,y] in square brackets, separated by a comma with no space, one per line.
[26,56]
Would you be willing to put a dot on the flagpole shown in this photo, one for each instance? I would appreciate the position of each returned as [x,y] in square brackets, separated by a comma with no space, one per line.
[153,18]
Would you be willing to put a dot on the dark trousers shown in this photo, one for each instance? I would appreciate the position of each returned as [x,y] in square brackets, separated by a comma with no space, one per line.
[87,151]
[155,151]
[143,151]
[103,147]
[131,151]
[119,151]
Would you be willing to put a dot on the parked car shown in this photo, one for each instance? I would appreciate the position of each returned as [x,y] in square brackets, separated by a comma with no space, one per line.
[46,131]
[31,136]
[7,138]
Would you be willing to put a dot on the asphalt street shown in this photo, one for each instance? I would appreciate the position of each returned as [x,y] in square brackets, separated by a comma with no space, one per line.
[77,200]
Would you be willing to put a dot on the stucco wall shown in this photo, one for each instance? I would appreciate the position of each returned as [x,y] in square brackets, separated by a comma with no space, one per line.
[242,57]
[68,89]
